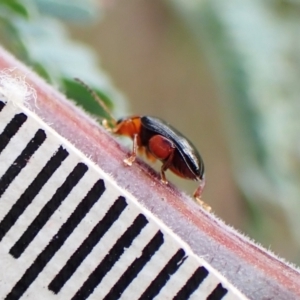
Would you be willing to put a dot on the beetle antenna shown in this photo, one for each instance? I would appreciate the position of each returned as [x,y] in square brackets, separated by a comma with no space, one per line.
[98,99]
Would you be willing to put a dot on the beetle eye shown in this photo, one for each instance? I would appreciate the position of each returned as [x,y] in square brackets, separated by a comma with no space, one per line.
[120,120]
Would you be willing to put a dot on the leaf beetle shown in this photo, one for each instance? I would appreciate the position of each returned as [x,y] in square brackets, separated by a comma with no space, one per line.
[158,140]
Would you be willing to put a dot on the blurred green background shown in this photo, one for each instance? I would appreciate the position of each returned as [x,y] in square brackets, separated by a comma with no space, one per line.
[225,73]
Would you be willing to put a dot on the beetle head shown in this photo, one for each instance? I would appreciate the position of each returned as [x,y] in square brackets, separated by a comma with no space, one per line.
[129,126]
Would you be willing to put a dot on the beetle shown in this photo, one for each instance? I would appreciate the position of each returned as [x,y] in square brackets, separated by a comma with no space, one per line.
[158,140]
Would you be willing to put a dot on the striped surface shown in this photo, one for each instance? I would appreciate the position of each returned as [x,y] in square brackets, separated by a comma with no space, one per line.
[68,232]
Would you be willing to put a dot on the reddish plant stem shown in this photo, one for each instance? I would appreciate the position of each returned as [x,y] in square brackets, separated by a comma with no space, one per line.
[255,271]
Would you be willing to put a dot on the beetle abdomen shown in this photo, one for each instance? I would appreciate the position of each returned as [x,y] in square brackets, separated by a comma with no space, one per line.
[186,162]
[182,169]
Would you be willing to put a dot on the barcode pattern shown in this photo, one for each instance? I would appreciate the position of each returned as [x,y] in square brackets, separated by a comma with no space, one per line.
[68,232]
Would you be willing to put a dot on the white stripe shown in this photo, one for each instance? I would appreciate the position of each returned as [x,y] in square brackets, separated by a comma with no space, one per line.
[99,252]
[151,270]
[133,252]
[71,244]
[207,286]
[84,228]
[179,279]
[17,145]
[38,203]
[31,170]
[6,115]
[44,236]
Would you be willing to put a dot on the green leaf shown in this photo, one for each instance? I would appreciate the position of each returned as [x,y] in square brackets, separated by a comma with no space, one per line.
[48,45]
[75,10]
[17,7]
[74,90]
[43,43]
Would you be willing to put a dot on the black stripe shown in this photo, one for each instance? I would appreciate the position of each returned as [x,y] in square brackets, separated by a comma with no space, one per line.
[87,245]
[218,293]
[48,210]
[57,241]
[32,190]
[192,284]
[165,274]
[22,160]
[11,129]
[2,104]
[134,269]
[111,258]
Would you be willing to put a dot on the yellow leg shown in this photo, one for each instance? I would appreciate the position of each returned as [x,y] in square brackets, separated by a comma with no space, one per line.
[106,125]
[128,161]
[197,196]
[165,167]
[202,204]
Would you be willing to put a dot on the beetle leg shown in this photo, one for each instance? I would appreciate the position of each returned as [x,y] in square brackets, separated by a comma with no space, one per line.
[106,125]
[199,190]
[163,149]
[128,161]
[165,167]
[202,204]
[198,193]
